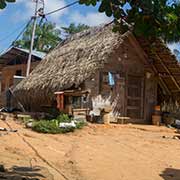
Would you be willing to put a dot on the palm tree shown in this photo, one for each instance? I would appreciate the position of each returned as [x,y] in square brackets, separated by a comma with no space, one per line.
[46,38]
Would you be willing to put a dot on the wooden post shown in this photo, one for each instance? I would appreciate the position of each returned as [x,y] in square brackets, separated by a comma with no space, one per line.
[60,100]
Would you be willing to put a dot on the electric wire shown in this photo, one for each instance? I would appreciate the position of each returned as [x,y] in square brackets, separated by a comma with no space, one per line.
[17,37]
[23,30]
[11,33]
[62,8]
[46,14]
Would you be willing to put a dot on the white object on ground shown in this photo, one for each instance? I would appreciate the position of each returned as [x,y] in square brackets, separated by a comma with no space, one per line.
[3,129]
[177,122]
[67,125]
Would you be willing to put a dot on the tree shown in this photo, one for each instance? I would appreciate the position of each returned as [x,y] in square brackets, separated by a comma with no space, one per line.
[72,29]
[148,18]
[3,3]
[46,38]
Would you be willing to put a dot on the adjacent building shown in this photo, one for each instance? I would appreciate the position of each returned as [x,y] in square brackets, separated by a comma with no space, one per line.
[13,65]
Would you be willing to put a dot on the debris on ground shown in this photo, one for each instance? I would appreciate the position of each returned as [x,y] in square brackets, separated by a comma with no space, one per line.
[67,125]
[8,130]
[2,169]
[176,137]
[171,137]
[3,129]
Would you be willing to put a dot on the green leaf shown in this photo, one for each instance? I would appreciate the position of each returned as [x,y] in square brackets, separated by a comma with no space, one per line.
[2,4]
[11,1]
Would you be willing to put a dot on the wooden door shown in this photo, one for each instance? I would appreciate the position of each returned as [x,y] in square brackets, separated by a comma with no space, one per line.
[135,93]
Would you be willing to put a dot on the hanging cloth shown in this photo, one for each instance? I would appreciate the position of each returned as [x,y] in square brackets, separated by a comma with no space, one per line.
[111,79]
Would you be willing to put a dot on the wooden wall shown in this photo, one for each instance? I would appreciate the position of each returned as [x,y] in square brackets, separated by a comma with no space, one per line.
[125,64]
[8,72]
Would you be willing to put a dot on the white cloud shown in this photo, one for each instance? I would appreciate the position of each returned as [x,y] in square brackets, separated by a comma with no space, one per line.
[25,9]
[50,5]
[91,19]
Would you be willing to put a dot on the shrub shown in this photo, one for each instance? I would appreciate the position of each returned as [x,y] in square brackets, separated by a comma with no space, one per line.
[80,124]
[50,126]
[63,118]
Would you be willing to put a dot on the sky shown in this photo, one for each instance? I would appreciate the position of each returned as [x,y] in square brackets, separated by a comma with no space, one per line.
[16,15]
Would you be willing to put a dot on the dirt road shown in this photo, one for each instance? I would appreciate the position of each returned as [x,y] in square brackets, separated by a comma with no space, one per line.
[98,152]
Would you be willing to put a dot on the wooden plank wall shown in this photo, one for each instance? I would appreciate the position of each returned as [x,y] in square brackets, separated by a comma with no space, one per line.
[123,63]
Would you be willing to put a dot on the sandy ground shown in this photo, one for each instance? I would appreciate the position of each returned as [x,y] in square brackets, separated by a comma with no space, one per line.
[98,152]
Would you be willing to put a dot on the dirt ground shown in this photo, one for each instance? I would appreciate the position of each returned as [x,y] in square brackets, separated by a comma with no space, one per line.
[98,152]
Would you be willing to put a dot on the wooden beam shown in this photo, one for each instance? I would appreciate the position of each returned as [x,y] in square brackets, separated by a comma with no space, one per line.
[168,63]
[174,69]
[168,76]
[172,77]
[162,83]
[175,91]
[144,57]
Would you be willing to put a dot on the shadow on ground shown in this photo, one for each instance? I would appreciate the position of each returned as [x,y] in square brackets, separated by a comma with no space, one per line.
[24,173]
[171,174]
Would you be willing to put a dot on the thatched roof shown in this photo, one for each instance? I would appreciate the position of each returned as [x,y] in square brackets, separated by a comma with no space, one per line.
[79,57]
[72,61]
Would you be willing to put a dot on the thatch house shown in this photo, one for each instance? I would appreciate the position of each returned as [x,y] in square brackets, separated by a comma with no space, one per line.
[122,72]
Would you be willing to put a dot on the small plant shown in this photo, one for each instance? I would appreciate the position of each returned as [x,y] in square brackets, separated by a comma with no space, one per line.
[50,126]
[80,124]
[53,126]
[63,118]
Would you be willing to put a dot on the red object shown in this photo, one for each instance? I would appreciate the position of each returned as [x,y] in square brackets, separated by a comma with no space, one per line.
[60,100]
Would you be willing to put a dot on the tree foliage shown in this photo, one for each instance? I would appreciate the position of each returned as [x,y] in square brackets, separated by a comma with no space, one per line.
[73,29]
[3,3]
[46,38]
[148,18]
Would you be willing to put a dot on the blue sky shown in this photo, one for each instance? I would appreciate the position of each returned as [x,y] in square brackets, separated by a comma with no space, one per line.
[17,14]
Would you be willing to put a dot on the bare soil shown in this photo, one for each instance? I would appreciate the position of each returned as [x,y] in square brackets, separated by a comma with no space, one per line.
[98,152]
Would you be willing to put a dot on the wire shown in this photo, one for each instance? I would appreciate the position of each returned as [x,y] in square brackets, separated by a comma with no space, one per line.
[47,14]
[21,32]
[11,33]
[68,5]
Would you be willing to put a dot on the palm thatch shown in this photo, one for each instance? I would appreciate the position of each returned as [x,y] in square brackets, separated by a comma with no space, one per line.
[79,58]
[70,63]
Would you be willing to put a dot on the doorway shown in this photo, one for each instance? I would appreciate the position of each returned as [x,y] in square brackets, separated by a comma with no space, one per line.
[135,94]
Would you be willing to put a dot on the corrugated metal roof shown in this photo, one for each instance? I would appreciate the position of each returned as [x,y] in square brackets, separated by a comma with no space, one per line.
[34,53]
